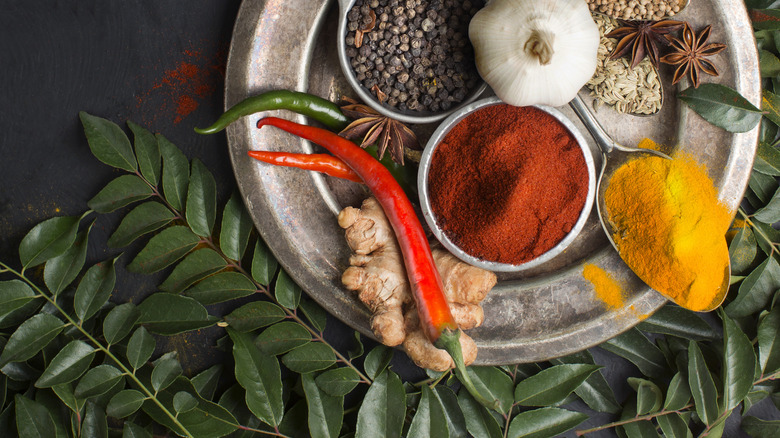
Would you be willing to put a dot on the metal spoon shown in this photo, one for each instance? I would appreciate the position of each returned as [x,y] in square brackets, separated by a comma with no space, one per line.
[613,155]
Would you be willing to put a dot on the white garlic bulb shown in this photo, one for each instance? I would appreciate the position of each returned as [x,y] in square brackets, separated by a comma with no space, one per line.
[535,52]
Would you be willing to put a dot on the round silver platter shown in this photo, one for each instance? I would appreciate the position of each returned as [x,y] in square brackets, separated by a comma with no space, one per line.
[543,313]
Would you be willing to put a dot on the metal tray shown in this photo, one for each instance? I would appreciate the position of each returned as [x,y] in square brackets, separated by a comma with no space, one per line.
[537,315]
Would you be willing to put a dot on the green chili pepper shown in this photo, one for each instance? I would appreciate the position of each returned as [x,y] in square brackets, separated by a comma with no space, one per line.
[316,108]
[319,109]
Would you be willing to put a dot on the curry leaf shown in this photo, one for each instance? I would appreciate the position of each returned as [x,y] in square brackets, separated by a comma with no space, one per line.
[767,159]
[60,271]
[166,370]
[30,338]
[164,249]
[479,422]
[175,173]
[743,250]
[771,212]
[183,401]
[763,186]
[95,289]
[130,430]
[633,428]
[673,320]
[119,322]
[48,239]
[338,381]
[201,200]
[493,384]
[140,348]
[758,428]
[326,412]
[552,385]
[263,263]
[673,425]
[97,381]
[429,419]
[770,103]
[456,422]
[282,337]
[147,152]
[756,290]
[65,393]
[206,382]
[144,218]
[125,403]
[594,391]
[738,356]
[221,287]
[765,19]
[32,418]
[383,409]
[722,106]
[108,142]
[197,265]
[14,295]
[288,294]
[678,394]
[637,349]
[254,315]
[377,360]
[68,365]
[314,356]
[702,386]
[769,64]
[769,341]
[544,422]
[259,374]
[649,397]
[168,314]
[235,229]
[315,314]
[95,424]
[120,192]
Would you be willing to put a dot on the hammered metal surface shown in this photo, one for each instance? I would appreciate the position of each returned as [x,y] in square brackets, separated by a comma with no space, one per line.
[546,312]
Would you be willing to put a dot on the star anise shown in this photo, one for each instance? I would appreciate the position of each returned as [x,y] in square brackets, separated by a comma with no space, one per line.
[642,38]
[373,127]
[690,53]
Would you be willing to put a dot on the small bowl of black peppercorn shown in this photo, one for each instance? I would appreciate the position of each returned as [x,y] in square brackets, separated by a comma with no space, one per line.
[410,60]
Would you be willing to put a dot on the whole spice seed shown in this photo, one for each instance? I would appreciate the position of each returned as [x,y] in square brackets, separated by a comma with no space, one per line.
[413,55]
[508,183]
[637,9]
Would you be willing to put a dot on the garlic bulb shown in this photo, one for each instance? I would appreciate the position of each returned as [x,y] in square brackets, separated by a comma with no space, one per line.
[535,51]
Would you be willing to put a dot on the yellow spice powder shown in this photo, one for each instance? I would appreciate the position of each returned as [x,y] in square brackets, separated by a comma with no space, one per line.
[670,227]
[606,287]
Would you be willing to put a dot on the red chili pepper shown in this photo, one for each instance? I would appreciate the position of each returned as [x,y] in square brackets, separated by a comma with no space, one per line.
[437,321]
[327,164]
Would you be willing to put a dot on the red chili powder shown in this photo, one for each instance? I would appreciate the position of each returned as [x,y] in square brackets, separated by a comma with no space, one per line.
[508,183]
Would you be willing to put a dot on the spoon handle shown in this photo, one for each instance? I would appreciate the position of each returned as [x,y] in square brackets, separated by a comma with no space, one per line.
[603,140]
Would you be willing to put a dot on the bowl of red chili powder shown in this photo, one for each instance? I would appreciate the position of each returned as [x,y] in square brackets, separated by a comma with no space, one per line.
[506,188]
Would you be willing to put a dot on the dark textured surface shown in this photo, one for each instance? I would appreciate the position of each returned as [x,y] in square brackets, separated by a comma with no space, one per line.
[112,59]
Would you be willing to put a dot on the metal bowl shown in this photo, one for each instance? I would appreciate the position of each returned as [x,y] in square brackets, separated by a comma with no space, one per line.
[430,217]
[413,117]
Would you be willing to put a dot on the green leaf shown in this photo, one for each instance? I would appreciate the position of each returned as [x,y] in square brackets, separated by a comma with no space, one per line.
[756,290]
[743,250]
[131,430]
[165,371]
[702,386]
[456,422]
[125,403]
[758,428]
[767,158]
[183,401]
[479,422]
[383,409]
[197,265]
[48,239]
[119,322]
[14,295]
[254,315]
[771,212]
[296,421]
[168,314]
[649,397]
[493,384]
[236,227]
[594,391]
[674,426]
[429,419]
[175,173]
[259,374]
[674,320]
[634,428]
[95,424]
[32,418]
[678,394]
[545,422]
[60,271]
[145,218]
[233,401]
[282,337]
[30,338]
[770,103]
[637,349]
[164,249]
[314,356]
[120,192]
[201,200]
[326,412]
[722,106]
[108,142]
[263,263]
[221,287]
[288,294]
[207,380]
[765,19]
[377,360]
[65,393]
[338,381]
[552,385]
[764,186]
[147,152]
[68,365]
[94,289]
[140,348]
[97,381]
[769,64]
[769,341]
[315,314]
[738,356]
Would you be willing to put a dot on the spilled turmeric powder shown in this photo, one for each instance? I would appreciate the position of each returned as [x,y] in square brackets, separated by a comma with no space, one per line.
[670,227]
[606,287]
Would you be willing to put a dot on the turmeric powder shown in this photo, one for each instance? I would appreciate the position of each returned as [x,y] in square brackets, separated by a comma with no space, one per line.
[670,227]
[606,287]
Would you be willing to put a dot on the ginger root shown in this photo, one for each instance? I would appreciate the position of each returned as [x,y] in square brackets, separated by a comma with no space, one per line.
[378,274]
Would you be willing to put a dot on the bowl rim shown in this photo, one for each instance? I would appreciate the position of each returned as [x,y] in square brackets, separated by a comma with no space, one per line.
[424,197]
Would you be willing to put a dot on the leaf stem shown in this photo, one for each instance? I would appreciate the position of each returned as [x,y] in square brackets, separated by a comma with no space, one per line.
[631,420]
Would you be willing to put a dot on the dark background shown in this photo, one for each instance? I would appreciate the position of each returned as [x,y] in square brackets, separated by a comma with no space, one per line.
[160,64]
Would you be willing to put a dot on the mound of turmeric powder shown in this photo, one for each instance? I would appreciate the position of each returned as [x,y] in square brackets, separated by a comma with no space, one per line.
[670,227]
